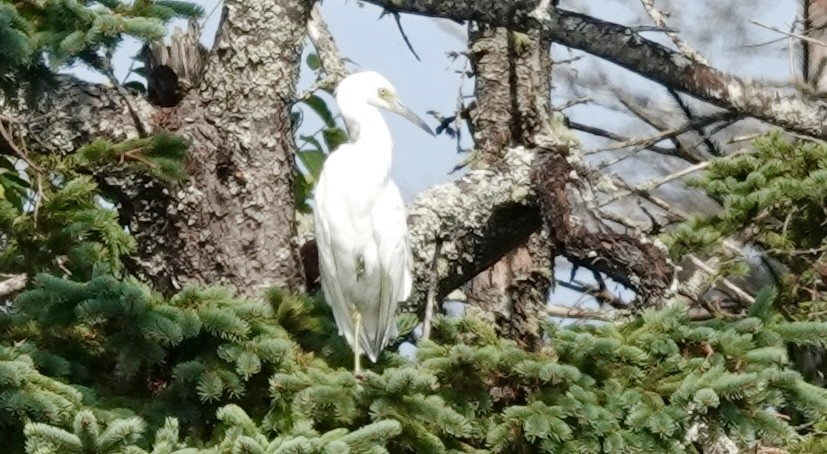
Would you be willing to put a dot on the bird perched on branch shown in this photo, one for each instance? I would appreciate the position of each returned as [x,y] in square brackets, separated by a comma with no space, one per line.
[360,222]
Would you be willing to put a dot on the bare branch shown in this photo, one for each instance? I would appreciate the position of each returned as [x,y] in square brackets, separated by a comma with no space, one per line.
[397,19]
[576,312]
[332,61]
[645,142]
[648,186]
[744,296]
[612,136]
[6,135]
[625,46]
[660,19]
[790,34]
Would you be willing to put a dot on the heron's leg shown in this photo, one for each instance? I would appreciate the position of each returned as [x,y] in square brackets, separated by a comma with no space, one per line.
[357,344]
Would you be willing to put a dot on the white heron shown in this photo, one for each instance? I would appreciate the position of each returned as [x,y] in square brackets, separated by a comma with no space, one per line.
[360,222]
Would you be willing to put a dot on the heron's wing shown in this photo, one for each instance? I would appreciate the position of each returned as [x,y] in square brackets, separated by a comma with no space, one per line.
[393,276]
[364,258]
[327,215]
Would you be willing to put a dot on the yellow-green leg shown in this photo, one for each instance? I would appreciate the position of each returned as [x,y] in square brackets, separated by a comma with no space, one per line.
[357,344]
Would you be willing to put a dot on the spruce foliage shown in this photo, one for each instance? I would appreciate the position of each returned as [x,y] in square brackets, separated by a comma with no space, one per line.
[36,36]
[774,198]
[238,374]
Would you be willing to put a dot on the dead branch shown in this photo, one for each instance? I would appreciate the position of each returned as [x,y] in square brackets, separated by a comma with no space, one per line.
[626,47]
[588,129]
[659,17]
[329,55]
[12,284]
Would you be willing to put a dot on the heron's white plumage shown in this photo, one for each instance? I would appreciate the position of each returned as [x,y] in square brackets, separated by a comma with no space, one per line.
[361,229]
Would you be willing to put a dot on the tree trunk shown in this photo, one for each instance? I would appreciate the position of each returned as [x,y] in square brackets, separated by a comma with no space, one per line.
[232,222]
[512,73]
[815,56]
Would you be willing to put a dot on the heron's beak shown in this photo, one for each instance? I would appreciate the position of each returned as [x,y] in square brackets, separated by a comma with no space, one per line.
[403,110]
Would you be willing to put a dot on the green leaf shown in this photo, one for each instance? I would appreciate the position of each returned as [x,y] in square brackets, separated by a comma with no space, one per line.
[313,160]
[313,62]
[334,137]
[319,106]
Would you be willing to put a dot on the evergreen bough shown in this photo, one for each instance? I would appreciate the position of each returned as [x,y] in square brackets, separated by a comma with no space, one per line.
[230,374]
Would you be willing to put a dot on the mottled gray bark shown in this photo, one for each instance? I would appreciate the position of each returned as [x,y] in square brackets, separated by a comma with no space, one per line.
[626,47]
[233,222]
[512,73]
[477,219]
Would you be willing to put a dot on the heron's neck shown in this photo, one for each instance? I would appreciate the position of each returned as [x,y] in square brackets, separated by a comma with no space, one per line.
[369,133]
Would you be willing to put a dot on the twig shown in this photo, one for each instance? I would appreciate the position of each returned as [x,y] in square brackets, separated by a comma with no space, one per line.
[601,293]
[746,297]
[572,102]
[790,34]
[396,17]
[124,95]
[645,142]
[554,310]
[134,155]
[38,197]
[707,137]
[648,186]
[616,137]
[6,134]
[657,120]
[433,283]
[659,18]
[576,312]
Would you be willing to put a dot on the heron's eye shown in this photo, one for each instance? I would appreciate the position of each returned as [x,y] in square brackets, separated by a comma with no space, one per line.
[384,93]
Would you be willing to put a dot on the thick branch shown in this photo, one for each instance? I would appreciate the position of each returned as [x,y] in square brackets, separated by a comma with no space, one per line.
[478,219]
[626,47]
[72,114]
[485,214]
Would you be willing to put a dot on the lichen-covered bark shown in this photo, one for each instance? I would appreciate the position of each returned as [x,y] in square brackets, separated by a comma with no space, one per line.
[512,73]
[233,222]
[478,219]
[488,212]
[626,47]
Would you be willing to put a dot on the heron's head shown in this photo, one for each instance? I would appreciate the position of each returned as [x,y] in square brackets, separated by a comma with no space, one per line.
[372,88]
